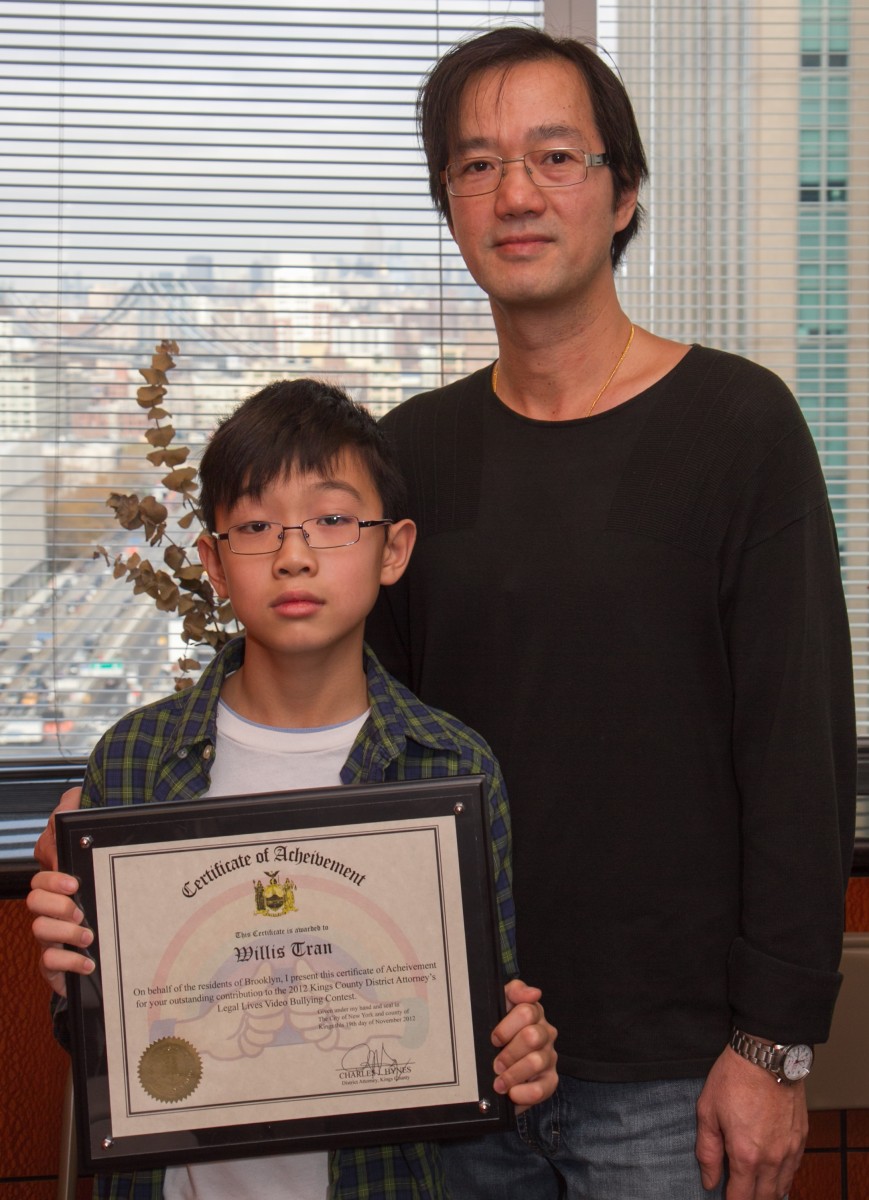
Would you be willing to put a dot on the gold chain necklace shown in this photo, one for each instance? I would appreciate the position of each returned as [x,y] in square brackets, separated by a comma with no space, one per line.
[609,378]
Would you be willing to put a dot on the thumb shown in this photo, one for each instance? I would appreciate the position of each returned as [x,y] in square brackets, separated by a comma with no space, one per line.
[709,1149]
[45,850]
[518,992]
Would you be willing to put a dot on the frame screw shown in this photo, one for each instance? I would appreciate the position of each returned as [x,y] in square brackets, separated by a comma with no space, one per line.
[458,809]
[484,1106]
[107,1143]
[86,842]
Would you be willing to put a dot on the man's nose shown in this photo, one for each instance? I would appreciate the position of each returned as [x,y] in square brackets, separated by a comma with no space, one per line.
[517,189]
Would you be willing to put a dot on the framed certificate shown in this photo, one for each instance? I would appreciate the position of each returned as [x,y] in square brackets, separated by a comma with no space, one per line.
[284,972]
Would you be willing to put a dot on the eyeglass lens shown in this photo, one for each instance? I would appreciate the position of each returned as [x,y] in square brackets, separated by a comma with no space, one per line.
[321,533]
[559,167]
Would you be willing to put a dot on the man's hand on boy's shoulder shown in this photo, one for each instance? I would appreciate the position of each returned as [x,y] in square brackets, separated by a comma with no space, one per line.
[525,1064]
[57,926]
[58,919]
[45,850]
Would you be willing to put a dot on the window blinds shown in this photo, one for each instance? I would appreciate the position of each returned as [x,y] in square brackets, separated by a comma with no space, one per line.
[243,180]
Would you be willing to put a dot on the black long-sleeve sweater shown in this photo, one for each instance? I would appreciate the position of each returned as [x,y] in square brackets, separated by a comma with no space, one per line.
[642,612]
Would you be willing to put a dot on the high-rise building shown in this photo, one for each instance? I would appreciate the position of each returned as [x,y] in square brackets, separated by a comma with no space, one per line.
[755,116]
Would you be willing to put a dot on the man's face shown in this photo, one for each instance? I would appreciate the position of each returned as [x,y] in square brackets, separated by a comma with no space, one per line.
[526,245]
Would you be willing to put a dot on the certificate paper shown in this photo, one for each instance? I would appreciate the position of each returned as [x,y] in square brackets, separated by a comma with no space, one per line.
[286,972]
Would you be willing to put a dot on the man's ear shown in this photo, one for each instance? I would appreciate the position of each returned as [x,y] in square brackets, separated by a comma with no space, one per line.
[397,549]
[209,556]
[626,207]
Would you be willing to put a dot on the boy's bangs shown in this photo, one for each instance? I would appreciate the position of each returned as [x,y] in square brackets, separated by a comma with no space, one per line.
[280,469]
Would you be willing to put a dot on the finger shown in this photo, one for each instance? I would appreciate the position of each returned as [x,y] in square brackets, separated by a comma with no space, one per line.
[54,881]
[785,1177]
[529,1037]
[58,959]
[517,1019]
[709,1151]
[527,1056]
[523,1095]
[741,1183]
[519,992]
[530,1067]
[42,903]
[49,931]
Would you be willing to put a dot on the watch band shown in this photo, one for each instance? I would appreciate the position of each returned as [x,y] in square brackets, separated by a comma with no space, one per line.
[762,1054]
[770,1056]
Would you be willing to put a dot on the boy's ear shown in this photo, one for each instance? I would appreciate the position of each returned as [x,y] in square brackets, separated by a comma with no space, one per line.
[209,556]
[397,549]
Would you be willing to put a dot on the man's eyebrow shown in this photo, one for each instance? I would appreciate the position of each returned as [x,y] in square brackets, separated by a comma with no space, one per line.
[552,135]
[565,135]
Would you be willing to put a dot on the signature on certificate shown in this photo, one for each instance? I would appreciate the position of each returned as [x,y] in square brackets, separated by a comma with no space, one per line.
[373,1060]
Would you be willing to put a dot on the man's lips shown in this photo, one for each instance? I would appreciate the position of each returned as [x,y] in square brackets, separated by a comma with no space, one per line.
[519,241]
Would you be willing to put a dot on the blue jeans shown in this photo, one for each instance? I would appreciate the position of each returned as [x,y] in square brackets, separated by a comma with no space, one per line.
[591,1141]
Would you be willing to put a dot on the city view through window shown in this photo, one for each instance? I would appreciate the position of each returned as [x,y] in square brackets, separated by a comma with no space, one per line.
[245,183]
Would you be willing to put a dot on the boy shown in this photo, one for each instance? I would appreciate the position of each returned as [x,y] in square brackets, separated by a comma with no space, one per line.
[296,485]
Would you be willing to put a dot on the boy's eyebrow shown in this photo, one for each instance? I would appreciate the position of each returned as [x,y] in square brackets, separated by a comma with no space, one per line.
[337,485]
[554,134]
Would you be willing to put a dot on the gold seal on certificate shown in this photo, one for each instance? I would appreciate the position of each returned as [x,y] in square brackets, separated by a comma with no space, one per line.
[170,1069]
[318,968]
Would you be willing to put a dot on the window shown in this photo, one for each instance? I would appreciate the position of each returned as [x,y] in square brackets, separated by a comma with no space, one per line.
[246,182]
[243,181]
[774,262]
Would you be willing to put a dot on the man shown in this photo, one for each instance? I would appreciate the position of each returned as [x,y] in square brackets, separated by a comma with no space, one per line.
[627,579]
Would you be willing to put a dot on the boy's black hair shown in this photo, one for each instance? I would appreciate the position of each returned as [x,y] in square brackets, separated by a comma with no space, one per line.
[294,425]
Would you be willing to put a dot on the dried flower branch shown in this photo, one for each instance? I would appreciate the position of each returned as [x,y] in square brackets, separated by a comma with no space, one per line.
[183,586]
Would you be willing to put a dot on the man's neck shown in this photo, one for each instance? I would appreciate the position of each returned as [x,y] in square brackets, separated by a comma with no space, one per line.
[559,367]
[552,364]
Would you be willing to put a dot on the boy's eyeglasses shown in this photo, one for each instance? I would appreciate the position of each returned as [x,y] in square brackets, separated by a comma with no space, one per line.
[321,533]
[561,166]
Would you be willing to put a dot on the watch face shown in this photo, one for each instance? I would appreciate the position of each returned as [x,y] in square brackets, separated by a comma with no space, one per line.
[797,1062]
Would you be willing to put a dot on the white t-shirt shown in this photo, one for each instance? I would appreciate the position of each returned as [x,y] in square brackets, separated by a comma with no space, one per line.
[250,757]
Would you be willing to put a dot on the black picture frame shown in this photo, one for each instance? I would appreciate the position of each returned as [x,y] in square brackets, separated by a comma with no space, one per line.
[278,817]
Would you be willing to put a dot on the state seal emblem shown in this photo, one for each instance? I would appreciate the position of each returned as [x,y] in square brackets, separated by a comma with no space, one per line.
[170,1069]
[274,899]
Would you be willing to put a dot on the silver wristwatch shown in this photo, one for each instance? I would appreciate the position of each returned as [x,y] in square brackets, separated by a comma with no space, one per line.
[786,1064]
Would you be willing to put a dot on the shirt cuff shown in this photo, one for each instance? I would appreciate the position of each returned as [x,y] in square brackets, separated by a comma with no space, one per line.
[780,1001]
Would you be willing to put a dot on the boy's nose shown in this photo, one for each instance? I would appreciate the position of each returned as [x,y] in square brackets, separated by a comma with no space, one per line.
[294,554]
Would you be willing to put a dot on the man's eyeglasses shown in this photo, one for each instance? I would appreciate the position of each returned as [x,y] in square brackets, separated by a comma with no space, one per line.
[561,166]
[321,533]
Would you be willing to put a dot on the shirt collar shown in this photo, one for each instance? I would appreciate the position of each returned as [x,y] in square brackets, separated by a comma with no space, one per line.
[397,715]
[199,712]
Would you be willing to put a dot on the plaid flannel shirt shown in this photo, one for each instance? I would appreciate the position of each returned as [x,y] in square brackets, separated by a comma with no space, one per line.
[164,752]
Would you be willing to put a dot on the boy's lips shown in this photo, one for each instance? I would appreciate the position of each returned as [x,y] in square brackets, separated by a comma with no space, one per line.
[294,604]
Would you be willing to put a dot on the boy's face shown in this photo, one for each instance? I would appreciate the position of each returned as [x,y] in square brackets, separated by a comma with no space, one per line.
[300,600]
